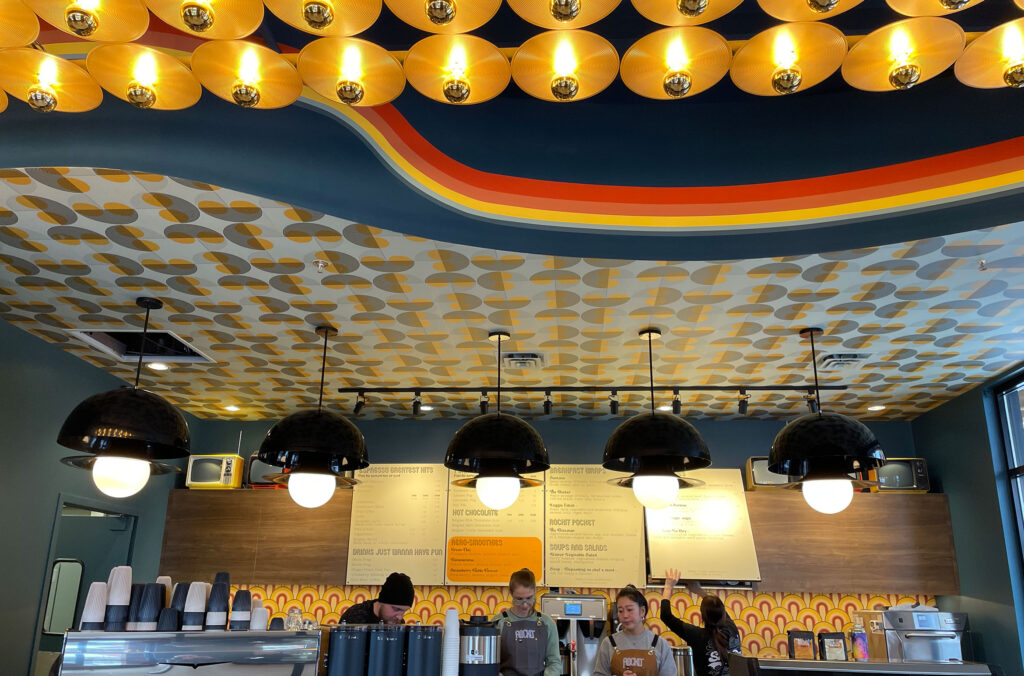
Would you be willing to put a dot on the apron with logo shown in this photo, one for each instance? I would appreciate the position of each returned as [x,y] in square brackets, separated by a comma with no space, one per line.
[640,662]
[524,646]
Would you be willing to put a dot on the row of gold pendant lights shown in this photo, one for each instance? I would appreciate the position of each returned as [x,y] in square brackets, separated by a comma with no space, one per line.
[555,66]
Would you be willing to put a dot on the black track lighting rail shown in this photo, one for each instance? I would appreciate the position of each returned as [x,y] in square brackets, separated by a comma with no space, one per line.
[589,388]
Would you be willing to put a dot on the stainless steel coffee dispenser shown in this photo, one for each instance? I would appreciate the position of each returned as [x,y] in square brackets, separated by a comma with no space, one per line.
[584,620]
[478,647]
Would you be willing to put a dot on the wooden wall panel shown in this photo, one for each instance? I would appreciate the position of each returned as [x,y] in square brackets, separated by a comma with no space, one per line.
[256,536]
[880,543]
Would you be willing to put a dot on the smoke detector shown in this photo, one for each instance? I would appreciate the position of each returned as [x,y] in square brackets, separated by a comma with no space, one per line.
[841,361]
[522,360]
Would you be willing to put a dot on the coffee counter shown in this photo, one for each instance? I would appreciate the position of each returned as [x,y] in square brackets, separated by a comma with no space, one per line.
[740,665]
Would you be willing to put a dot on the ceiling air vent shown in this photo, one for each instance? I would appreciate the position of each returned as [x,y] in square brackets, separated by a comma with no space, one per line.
[125,345]
[522,360]
[841,361]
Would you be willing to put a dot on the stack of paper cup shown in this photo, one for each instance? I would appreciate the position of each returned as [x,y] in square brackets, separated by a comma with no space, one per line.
[166,582]
[450,646]
[119,594]
[260,619]
[194,617]
[95,608]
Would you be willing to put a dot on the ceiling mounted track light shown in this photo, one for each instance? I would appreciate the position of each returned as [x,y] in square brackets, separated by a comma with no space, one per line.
[653,447]
[498,448]
[127,431]
[318,449]
[824,450]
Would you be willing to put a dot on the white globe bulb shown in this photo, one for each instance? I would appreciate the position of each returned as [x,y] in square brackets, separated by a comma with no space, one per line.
[828,496]
[119,477]
[656,492]
[497,492]
[311,490]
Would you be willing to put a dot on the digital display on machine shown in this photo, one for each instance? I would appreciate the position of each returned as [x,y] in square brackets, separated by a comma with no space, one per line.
[926,620]
[573,609]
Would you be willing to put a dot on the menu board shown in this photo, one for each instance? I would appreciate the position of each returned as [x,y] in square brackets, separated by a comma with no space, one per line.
[594,536]
[705,533]
[485,546]
[398,522]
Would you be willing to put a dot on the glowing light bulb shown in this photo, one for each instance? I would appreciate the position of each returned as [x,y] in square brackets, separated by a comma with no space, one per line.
[900,47]
[497,492]
[1013,55]
[144,71]
[828,496]
[352,64]
[676,57]
[784,50]
[119,477]
[48,73]
[455,85]
[310,490]
[656,492]
[565,59]
[245,92]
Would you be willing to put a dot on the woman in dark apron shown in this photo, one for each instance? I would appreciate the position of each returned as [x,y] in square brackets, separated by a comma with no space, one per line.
[529,639]
[712,643]
[634,650]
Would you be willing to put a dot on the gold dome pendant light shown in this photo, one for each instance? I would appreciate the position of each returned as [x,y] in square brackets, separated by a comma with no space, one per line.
[556,14]
[653,446]
[247,74]
[318,450]
[352,71]
[498,448]
[98,20]
[996,59]
[20,26]
[567,65]
[903,54]
[144,77]
[126,431]
[458,69]
[930,7]
[210,19]
[684,12]
[821,450]
[444,16]
[46,82]
[674,63]
[806,10]
[788,58]
[335,18]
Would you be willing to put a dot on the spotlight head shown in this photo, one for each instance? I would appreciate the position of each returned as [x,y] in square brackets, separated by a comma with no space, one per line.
[677,406]
[812,401]
[417,404]
[613,402]
[360,402]
[484,403]
[547,402]
[743,402]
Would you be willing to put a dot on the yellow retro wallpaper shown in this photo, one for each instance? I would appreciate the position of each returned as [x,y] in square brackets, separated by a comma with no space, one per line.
[762,618]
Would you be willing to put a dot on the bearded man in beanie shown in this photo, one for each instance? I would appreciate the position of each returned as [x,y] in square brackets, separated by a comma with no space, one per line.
[394,601]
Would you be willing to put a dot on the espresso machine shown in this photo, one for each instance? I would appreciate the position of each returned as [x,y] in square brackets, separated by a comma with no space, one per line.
[582,621]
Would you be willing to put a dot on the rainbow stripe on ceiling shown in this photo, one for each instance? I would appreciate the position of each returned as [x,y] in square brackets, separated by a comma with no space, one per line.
[957,177]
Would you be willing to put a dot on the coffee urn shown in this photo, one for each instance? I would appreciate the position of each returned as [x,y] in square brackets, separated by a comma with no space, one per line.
[478,647]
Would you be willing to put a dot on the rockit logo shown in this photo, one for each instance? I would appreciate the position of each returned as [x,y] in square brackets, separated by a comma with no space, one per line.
[525,633]
[632,661]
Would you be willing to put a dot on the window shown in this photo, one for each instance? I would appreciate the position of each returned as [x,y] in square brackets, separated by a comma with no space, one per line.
[1012,416]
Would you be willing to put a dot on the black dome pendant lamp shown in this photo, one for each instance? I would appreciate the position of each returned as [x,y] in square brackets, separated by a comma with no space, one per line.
[498,448]
[318,449]
[821,450]
[126,431]
[653,447]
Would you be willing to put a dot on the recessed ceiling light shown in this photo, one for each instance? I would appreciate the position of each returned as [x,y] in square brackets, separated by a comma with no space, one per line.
[426,407]
[877,407]
[231,408]
[666,407]
[157,365]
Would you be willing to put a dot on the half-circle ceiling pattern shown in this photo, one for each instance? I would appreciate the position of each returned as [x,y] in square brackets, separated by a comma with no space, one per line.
[236,271]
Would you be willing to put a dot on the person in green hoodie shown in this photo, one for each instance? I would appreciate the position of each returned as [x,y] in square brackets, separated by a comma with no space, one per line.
[529,638]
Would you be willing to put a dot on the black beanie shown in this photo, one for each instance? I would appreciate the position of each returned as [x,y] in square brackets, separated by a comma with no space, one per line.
[397,590]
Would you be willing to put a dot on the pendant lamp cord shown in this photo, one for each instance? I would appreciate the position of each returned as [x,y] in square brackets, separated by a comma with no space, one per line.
[650,365]
[499,375]
[142,350]
[323,372]
[814,363]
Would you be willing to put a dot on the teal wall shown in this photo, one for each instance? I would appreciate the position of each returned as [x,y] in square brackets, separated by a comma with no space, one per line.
[962,443]
[39,385]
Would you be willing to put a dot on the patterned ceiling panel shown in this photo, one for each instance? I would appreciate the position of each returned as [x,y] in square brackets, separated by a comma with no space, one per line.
[238,278]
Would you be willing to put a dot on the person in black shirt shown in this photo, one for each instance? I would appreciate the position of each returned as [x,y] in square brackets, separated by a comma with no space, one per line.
[712,643]
[394,601]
